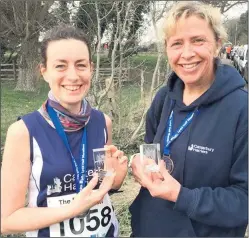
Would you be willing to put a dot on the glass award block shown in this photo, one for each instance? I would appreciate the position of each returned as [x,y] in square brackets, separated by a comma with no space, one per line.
[150,156]
[102,162]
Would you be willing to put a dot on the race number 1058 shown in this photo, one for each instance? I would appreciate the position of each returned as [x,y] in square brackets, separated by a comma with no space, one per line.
[90,223]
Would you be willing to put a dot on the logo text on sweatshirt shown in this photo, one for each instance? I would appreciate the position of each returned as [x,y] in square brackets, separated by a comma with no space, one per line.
[200,149]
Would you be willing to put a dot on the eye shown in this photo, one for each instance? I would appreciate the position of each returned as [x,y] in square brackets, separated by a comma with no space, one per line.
[198,40]
[81,65]
[60,66]
[177,43]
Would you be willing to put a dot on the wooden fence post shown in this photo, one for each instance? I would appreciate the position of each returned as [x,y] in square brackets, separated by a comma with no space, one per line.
[14,70]
[111,96]
[129,69]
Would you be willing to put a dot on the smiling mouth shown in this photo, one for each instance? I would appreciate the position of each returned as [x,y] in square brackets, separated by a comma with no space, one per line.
[71,88]
[189,66]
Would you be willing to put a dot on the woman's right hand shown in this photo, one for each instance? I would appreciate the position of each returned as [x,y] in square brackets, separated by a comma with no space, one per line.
[139,170]
[88,197]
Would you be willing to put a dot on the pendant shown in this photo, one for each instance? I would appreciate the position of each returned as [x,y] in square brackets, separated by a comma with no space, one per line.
[169,163]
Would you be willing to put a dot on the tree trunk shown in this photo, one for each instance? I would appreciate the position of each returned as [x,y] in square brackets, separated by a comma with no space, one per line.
[28,62]
[111,44]
[113,58]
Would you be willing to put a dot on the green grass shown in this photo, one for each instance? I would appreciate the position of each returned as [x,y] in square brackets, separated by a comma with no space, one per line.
[16,103]
[145,60]
[148,61]
[130,95]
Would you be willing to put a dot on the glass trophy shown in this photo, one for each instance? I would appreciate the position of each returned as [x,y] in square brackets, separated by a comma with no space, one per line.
[150,156]
[102,162]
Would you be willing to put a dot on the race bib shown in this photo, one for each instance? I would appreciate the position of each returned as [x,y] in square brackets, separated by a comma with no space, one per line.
[95,223]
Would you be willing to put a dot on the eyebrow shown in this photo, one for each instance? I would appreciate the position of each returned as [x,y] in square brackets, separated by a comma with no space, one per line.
[192,37]
[199,36]
[80,60]
[64,61]
[61,60]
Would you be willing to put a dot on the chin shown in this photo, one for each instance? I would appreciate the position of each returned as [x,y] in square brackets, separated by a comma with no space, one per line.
[189,79]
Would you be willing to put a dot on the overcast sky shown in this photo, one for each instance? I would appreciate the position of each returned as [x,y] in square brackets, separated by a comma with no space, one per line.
[235,12]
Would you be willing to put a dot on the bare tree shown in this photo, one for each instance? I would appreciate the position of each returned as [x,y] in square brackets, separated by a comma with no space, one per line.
[21,22]
[157,12]
[224,5]
[99,97]
[62,12]
[124,12]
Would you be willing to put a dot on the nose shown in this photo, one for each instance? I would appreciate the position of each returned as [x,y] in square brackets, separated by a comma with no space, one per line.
[72,74]
[187,51]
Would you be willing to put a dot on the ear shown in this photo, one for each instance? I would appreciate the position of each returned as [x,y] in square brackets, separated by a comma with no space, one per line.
[43,71]
[219,44]
[218,47]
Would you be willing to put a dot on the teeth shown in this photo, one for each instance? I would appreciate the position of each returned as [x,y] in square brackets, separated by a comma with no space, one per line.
[189,66]
[71,88]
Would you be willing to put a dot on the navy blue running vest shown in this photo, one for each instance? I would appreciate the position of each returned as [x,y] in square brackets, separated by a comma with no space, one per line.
[51,165]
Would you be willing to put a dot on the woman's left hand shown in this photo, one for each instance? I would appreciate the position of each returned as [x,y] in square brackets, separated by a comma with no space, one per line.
[119,164]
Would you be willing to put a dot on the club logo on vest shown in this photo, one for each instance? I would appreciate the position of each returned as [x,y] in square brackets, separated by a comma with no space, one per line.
[200,149]
[54,188]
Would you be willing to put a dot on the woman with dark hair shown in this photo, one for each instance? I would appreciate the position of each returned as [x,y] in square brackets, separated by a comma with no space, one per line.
[49,152]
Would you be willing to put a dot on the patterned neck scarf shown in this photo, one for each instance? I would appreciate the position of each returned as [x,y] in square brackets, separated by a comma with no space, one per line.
[70,121]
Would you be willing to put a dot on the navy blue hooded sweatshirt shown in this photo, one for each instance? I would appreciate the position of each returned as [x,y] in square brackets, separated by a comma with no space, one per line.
[210,162]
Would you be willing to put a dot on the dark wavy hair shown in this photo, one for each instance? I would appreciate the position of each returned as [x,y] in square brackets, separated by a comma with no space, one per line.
[62,32]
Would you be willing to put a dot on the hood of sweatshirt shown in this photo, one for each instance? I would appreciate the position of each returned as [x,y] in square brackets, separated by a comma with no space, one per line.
[227,79]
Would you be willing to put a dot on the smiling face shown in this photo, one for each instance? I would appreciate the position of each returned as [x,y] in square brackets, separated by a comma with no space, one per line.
[68,72]
[191,49]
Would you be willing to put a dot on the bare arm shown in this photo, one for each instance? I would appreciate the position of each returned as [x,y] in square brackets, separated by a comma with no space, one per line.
[108,122]
[15,217]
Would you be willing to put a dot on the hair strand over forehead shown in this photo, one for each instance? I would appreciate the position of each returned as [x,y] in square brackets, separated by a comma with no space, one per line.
[186,9]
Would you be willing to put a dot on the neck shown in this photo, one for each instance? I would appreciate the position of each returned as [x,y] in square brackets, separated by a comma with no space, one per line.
[192,91]
[75,109]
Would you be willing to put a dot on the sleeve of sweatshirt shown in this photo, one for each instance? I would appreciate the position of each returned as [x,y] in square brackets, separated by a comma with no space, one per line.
[222,206]
[153,115]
